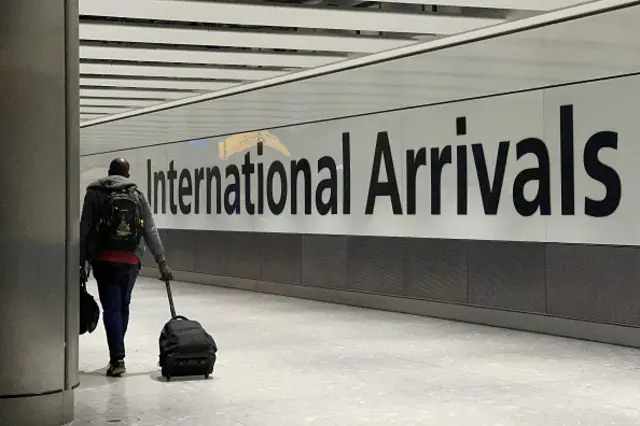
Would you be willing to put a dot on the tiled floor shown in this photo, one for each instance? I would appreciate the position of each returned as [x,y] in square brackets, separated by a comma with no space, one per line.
[289,362]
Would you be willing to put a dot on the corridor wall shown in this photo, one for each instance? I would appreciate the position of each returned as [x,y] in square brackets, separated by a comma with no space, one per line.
[516,209]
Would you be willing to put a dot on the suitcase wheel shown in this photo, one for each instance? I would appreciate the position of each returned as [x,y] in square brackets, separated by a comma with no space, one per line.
[206,376]
[166,375]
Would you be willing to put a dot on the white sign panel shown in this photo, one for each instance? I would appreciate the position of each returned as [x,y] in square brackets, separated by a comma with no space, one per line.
[551,165]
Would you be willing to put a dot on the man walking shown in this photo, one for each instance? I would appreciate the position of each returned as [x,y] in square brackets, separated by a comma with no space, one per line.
[115,217]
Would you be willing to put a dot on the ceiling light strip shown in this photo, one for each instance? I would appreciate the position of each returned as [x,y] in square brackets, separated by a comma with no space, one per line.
[134,94]
[258,40]
[283,16]
[101,110]
[118,102]
[204,57]
[169,71]
[535,5]
[204,86]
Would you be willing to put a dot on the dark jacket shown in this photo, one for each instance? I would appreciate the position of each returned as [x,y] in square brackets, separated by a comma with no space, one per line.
[94,198]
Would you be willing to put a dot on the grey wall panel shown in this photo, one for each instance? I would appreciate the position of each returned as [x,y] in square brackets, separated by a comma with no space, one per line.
[148,260]
[584,282]
[180,247]
[281,258]
[566,327]
[163,233]
[507,275]
[243,254]
[211,252]
[325,261]
[435,269]
[598,283]
[375,265]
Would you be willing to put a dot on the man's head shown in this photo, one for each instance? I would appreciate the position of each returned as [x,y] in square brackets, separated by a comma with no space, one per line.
[119,167]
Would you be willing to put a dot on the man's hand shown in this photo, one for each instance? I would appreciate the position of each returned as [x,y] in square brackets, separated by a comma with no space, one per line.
[84,274]
[165,271]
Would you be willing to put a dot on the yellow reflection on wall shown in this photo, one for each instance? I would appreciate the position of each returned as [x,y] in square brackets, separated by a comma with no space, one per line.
[241,142]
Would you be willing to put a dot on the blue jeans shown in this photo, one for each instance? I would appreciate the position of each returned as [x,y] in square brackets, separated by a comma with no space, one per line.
[115,285]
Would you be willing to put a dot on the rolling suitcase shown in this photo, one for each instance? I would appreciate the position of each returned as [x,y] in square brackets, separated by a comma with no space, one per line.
[186,349]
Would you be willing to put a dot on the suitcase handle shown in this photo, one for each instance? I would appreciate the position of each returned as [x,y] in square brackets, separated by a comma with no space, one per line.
[180,317]
[172,307]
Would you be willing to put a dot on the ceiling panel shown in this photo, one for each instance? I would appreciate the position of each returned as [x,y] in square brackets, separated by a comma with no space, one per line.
[181,72]
[203,45]
[117,102]
[134,94]
[206,45]
[221,38]
[101,110]
[537,5]
[282,16]
[205,57]
[166,83]
[514,56]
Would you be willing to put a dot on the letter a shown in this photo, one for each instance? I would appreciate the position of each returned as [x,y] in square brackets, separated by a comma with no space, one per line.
[389,188]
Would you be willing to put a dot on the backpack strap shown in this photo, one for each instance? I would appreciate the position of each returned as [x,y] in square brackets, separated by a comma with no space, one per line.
[130,188]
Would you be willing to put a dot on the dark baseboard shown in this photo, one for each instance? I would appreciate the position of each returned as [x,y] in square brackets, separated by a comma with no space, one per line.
[545,324]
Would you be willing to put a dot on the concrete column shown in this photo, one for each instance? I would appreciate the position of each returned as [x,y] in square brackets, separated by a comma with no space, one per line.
[39,211]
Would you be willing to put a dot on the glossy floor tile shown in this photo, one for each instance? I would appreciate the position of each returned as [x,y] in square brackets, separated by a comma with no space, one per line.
[290,362]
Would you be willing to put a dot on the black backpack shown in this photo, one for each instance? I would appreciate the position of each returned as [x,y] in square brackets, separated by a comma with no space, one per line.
[120,224]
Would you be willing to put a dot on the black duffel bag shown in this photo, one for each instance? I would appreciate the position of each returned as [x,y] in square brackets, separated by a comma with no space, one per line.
[89,309]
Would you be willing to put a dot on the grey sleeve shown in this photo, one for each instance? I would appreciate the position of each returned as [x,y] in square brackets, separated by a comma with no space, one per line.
[86,225]
[150,232]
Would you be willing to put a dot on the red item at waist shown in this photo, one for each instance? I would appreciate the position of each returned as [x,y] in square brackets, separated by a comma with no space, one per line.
[118,257]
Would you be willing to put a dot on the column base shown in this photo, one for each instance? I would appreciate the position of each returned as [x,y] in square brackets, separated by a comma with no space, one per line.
[43,410]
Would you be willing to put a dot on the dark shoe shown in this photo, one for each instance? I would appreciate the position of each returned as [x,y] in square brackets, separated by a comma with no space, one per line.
[116,369]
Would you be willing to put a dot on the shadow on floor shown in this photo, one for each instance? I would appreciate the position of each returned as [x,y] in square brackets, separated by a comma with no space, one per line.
[157,376]
[98,378]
